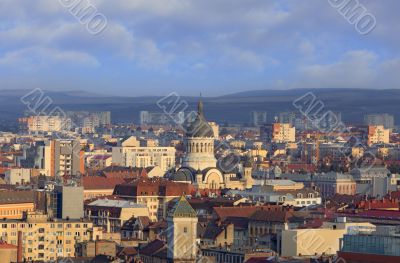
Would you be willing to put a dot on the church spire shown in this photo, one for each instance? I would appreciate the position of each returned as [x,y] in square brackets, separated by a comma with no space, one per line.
[200,107]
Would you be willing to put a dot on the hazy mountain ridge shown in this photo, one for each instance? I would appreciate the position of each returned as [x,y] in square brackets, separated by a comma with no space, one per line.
[234,108]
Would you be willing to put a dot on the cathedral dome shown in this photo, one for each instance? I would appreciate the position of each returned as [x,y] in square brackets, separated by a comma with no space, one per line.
[199,127]
[182,176]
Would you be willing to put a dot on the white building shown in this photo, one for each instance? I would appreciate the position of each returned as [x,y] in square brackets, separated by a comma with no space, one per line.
[18,176]
[130,154]
[48,123]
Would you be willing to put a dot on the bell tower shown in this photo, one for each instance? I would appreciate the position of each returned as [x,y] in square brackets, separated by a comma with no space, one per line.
[182,232]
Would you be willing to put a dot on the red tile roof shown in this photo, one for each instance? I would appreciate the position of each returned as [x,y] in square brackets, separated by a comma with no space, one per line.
[377,214]
[384,204]
[149,187]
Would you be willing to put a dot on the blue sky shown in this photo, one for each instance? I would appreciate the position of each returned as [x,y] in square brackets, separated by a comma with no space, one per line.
[154,47]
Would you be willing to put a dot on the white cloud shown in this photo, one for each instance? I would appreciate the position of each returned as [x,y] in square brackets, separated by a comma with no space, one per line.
[35,57]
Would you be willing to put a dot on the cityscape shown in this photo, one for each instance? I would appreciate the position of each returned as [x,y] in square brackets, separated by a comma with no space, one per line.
[168,132]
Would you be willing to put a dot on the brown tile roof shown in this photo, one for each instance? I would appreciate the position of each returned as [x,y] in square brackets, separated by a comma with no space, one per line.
[98,182]
[128,251]
[153,247]
[239,211]
[278,214]
[17,197]
[148,187]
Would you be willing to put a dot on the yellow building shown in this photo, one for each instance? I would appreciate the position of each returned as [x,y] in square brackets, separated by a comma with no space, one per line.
[45,240]
[283,132]
[357,152]
[8,253]
[377,134]
[14,203]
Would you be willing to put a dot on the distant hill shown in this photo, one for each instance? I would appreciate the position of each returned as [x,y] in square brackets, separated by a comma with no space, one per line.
[232,108]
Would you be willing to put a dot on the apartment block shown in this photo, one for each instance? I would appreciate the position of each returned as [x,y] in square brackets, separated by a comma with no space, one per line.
[60,158]
[377,134]
[48,123]
[283,133]
[384,119]
[44,240]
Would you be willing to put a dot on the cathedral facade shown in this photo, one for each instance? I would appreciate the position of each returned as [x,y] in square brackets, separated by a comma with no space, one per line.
[200,167]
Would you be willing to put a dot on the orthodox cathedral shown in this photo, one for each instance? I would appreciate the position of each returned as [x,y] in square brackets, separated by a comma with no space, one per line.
[200,167]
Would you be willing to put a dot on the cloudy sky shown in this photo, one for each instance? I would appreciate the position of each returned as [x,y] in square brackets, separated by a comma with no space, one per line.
[153,47]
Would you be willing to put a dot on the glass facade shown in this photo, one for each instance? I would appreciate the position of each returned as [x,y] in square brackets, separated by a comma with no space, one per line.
[371,244]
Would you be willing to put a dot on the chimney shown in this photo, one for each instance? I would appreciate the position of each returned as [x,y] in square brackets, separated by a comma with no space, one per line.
[19,249]
[96,246]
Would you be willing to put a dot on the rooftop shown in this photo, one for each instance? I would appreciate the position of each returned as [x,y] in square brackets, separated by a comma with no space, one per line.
[116,203]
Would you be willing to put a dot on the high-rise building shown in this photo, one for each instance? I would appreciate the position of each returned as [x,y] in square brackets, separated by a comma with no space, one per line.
[161,118]
[60,157]
[287,117]
[98,118]
[377,134]
[258,118]
[283,132]
[384,119]
[47,123]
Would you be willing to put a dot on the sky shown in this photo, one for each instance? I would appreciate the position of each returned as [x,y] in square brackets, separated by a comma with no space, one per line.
[216,47]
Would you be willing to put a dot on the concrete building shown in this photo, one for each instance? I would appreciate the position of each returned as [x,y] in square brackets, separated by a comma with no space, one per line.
[287,117]
[383,119]
[112,214]
[69,200]
[161,118]
[327,184]
[130,154]
[60,158]
[372,181]
[377,135]
[283,133]
[335,183]
[48,123]
[89,121]
[45,240]
[19,176]
[258,118]
[319,241]
[374,247]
